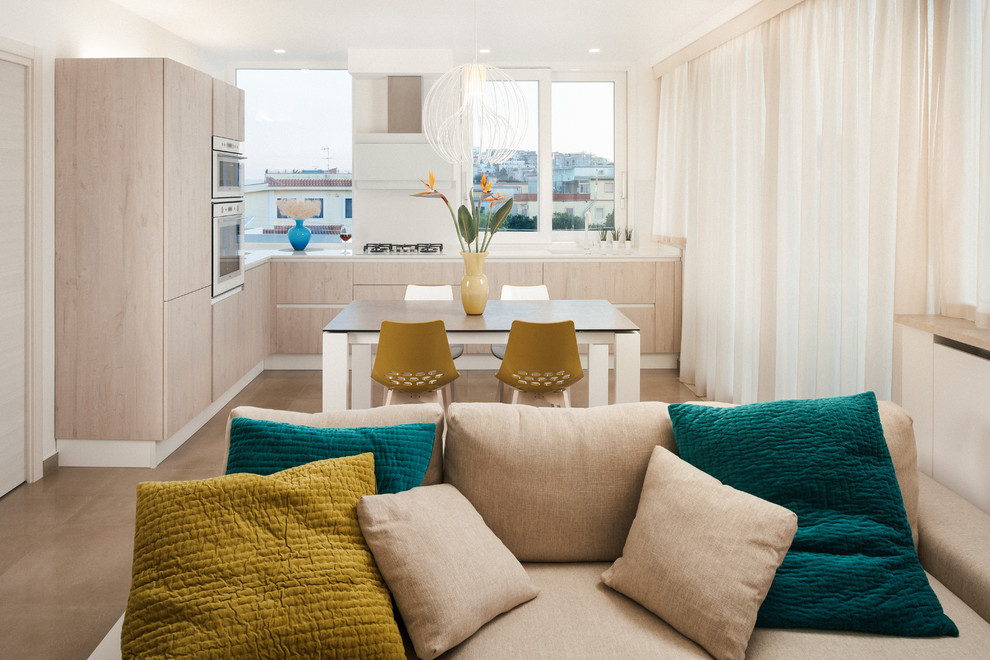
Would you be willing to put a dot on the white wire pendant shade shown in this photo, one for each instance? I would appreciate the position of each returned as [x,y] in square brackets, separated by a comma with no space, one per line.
[475,104]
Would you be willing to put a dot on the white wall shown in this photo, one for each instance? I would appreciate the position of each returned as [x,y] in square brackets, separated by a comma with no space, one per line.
[79,28]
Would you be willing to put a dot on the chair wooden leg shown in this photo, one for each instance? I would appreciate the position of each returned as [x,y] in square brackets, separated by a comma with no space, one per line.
[501,392]
[388,396]
[567,398]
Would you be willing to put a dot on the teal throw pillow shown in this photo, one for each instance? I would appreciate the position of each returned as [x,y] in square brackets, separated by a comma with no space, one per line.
[402,452]
[852,564]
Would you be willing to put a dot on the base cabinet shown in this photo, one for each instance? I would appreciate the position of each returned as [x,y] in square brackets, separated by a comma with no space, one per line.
[188,347]
[242,330]
[309,295]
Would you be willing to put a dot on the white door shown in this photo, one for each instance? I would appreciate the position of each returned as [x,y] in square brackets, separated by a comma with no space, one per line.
[13,231]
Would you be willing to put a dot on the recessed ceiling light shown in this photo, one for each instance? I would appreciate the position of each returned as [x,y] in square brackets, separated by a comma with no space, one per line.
[280,51]
[594,50]
[484,51]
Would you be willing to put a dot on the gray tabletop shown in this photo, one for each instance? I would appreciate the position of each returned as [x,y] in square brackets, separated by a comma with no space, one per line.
[588,315]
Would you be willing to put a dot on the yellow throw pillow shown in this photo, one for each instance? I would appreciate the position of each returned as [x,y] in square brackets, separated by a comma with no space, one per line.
[258,566]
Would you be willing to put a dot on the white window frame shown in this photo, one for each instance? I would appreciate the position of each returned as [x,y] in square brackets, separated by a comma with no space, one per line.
[545,235]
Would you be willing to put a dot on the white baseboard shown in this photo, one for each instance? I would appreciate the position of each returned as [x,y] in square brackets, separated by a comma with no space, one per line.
[287,362]
[148,453]
[144,453]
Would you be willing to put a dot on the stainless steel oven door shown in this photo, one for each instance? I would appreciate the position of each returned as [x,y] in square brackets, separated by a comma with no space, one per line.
[228,257]
[228,169]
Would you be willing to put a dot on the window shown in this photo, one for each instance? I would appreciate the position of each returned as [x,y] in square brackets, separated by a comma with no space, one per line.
[583,139]
[297,126]
[567,165]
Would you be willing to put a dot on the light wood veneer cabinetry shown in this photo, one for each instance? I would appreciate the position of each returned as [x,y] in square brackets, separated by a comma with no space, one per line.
[228,110]
[133,320]
[242,330]
[309,295]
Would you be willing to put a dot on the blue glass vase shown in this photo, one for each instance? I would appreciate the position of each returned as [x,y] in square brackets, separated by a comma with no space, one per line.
[299,236]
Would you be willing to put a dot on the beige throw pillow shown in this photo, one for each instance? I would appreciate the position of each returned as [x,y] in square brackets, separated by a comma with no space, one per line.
[449,574]
[701,555]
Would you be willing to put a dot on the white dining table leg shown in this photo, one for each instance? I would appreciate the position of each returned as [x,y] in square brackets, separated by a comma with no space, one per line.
[334,371]
[360,375]
[627,367]
[597,375]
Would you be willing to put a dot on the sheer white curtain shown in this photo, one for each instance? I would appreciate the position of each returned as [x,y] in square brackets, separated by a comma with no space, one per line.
[787,160]
[960,162]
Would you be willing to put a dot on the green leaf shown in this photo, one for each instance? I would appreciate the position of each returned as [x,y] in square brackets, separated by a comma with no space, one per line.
[501,213]
[466,224]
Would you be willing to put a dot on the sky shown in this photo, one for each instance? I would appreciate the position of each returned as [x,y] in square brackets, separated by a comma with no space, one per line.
[291,115]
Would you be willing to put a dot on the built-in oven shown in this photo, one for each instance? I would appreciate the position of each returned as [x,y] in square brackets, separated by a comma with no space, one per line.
[228,256]
[228,168]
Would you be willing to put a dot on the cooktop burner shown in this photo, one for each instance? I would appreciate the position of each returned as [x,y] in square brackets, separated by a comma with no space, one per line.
[403,248]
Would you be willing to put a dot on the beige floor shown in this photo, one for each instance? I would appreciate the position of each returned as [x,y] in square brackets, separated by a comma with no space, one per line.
[66,541]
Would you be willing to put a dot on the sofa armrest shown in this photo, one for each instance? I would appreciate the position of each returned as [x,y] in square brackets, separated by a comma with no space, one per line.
[954,541]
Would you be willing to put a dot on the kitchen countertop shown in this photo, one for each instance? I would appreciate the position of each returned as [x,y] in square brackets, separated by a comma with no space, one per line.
[256,256]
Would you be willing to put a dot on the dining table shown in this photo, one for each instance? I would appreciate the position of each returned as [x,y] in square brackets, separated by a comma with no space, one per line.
[348,340]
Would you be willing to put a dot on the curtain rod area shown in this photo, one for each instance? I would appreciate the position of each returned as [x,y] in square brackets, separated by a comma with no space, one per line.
[727,29]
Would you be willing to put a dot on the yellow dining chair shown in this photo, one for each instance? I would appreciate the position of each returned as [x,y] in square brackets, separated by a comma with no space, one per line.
[519,292]
[541,361]
[434,292]
[413,360]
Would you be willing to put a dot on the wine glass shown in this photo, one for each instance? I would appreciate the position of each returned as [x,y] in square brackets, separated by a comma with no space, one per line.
[345,236]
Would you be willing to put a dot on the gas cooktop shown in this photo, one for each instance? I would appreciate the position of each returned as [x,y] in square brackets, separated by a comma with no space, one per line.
[403,248]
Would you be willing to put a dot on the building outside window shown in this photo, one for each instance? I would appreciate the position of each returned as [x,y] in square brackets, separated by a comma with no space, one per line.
[298,145]
[566,167]
[298,142]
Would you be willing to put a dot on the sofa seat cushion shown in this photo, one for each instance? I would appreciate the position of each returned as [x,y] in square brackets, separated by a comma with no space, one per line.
[578,618]
[793,644]
[554,484]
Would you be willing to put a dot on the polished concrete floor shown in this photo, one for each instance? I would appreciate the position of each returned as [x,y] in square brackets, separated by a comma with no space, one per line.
[66,540]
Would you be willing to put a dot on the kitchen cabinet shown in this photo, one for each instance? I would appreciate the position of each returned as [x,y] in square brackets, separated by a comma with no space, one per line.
[629,285]
[133,324]
[242,330]
[311,294]
[188,347]
[228,110]
[387,279]
[307,297]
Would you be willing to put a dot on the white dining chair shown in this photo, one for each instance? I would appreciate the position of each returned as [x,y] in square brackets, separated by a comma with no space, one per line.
[434,292]
[519,292]
[429,292]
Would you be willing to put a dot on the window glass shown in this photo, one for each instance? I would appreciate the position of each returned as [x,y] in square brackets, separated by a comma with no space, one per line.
[518,177]
[583,144]
[297,126]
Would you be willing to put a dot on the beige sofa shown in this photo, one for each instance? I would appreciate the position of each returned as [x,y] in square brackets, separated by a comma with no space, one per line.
[560,489]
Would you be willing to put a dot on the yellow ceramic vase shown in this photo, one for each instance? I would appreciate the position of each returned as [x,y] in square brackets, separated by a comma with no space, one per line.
[474,284]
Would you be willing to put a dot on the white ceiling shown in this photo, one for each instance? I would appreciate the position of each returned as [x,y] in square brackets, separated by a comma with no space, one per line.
[522,32]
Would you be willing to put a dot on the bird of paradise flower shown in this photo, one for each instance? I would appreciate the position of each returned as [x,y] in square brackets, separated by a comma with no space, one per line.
[467,221]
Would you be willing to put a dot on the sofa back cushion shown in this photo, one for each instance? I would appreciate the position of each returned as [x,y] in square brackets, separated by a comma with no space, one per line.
[555,484]
[386,416]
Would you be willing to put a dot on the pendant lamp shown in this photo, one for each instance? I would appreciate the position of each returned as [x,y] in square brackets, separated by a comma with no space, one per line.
[475,105]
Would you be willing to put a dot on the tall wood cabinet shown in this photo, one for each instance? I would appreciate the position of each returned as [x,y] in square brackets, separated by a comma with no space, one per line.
[132,247]
[228,110]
